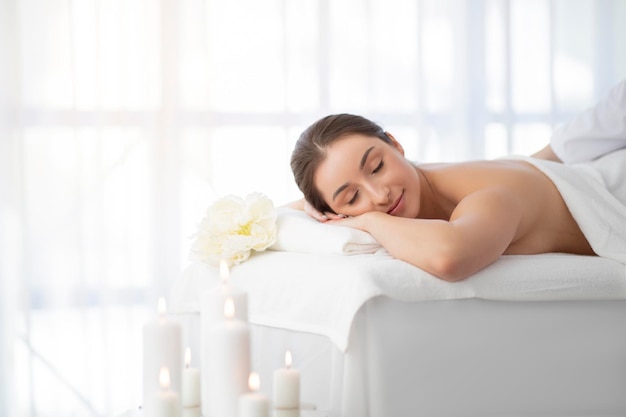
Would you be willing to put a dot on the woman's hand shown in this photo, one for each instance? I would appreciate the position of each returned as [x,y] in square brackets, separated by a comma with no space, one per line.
[320,217]
[356,222]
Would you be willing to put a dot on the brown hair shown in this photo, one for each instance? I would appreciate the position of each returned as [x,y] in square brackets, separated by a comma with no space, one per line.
[310,150]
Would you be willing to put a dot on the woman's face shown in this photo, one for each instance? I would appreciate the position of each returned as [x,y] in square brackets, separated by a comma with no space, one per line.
[363,173]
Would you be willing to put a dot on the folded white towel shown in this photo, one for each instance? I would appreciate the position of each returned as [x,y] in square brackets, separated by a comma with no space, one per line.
[298,232]
[595,132]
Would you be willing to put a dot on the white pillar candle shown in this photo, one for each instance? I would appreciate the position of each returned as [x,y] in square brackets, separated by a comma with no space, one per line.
[191,383]
[287,385]
[212,300]
[225,363]
[253,403]
[162,346]
[166,402]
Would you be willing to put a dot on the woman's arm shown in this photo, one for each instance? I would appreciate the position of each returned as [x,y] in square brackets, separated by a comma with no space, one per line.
[481,228]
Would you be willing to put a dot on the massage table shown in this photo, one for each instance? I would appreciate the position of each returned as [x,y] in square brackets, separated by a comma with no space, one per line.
[540,335]
[373,336]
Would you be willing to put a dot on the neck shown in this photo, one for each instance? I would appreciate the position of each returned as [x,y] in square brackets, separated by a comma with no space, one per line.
[432,204]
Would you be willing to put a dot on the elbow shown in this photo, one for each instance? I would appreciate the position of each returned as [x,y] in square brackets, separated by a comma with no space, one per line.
[449,271]
[447,262]
[450,266]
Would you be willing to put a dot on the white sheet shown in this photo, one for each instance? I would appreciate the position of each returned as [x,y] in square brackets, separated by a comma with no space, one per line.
[595,193]
[322,293]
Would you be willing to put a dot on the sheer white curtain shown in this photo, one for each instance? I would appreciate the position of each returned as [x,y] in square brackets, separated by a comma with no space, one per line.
[121,120]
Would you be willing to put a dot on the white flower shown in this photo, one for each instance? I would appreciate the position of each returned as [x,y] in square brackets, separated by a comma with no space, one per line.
[232,227]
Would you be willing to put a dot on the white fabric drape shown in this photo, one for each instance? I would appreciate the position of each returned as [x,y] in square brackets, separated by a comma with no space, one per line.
[121,120]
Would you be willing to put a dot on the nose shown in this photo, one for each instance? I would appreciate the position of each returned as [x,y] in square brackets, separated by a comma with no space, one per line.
[380,195]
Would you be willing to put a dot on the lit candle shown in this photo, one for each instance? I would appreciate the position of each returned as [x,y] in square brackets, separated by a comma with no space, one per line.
[212,303]
[225,363]
[162,346]
[166,403]
[253,403]
[287,385]
[191,383]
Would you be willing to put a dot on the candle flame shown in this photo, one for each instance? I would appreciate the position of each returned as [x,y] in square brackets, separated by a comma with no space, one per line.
[254,382]
[229,308]
[224,271]
[187,357]
[161,306]
[288,360]
[164,377]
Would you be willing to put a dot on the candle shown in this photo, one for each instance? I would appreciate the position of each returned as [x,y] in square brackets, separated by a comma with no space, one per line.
[225,363]
[191,383]
[162,346]
[253,403]
[287,385]
[212,300]
[212,312]
[166,402]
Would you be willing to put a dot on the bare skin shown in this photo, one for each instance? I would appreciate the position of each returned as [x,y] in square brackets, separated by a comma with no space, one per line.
[449,219]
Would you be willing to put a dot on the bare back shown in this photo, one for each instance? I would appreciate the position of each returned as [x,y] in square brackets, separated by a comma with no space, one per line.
[546,224]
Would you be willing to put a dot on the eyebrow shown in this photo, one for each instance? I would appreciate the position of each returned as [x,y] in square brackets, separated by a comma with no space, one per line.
[361,165]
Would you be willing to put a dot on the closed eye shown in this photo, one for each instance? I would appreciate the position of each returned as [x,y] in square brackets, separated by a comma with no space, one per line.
[379,167]
[353,199]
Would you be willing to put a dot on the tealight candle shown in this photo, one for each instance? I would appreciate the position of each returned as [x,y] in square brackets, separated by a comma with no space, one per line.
[162,346]
[166,403]
[191,383]
[225,363]
[287,385]
[253,403]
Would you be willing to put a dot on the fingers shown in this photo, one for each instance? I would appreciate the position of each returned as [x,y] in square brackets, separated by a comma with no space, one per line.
[321,217]
[308,209]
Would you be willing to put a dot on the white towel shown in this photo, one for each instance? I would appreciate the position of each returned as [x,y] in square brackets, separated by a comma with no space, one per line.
[595,132]
[595,194]
[322,294]
[298,232]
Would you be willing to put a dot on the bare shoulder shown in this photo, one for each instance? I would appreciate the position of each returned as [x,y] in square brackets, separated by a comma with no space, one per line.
[457,180]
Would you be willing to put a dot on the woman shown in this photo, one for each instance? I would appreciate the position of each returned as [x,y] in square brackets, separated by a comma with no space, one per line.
[449,219]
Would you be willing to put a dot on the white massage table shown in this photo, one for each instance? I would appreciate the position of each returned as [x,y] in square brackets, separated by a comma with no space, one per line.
[509,341]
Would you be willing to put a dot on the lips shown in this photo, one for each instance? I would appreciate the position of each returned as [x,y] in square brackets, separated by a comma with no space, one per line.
[396,206]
